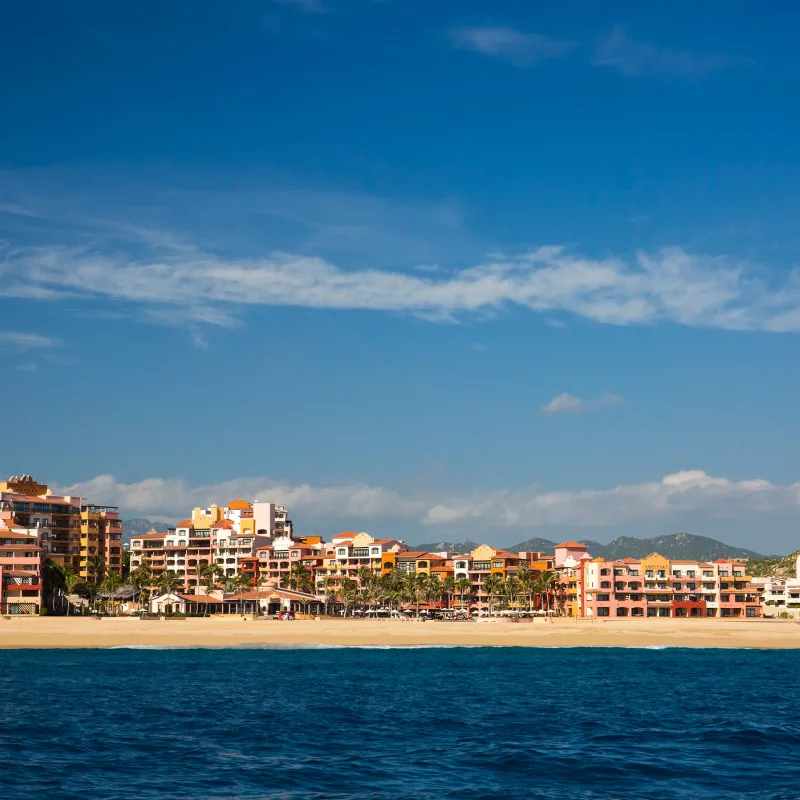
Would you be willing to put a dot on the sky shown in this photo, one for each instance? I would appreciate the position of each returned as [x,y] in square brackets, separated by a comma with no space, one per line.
[435,270]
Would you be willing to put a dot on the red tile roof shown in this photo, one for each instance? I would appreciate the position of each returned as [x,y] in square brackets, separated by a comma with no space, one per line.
[239,505]
[571,544]
[185,523]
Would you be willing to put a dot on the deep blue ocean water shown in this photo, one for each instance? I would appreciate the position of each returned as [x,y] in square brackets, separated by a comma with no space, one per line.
[454,723]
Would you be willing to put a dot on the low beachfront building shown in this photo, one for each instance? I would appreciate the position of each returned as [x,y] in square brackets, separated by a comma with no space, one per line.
[258,601]
[653,587]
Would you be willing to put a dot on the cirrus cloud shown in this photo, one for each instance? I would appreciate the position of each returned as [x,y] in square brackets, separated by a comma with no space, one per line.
[669,285]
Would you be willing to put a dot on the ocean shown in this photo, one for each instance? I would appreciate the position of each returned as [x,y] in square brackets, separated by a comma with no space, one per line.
[461,723]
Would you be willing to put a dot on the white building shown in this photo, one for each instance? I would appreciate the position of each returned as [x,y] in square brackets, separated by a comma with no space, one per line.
[780,595]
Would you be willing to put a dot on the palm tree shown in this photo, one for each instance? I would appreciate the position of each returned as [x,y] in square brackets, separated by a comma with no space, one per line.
[463,587]
[417,586]
[511,589]
[168,582]
[72,582]
[547,582]
[348,592]
[96,565]
[492,585]
[141,579]
[526,581]
[90,591]
[330,596]
[53,583]
[111,583]
[298,578]
[448,589]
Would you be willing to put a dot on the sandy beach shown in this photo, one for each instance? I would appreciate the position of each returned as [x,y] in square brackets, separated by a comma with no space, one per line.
[62,632]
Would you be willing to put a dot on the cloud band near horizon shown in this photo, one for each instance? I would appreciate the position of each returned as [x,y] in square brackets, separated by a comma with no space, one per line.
[688,492]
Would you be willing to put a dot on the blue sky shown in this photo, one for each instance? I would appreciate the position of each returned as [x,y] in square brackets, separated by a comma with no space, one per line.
[434,270]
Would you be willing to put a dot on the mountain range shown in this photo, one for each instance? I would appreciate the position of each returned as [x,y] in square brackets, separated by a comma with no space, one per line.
[673,546]
[137,527]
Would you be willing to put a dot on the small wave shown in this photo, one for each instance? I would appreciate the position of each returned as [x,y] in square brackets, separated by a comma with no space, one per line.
[293,646]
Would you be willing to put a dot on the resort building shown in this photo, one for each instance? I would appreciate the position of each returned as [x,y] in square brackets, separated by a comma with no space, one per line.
[73,533]
[653,587]
[485,561]
[20,566]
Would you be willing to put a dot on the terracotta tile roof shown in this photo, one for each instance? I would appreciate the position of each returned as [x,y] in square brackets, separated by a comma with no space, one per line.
[504,554]
[571,544]
[413,554]
[223,523]
[239,505]
[200,598]
[20,547]
[150,536]
[185,523]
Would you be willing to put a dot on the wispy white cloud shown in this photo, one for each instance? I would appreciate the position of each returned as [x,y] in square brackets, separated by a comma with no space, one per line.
[669,285]
[691,493]
[30,366]
[516,47]
[634,59]
[566,403]
[27,341]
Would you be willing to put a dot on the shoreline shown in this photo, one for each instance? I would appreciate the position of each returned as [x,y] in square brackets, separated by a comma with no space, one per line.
[233,631]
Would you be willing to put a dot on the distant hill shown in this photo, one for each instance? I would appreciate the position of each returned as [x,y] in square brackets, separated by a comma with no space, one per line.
[535,546]
[137,527]
[466,546]
[674,545]
[774,566]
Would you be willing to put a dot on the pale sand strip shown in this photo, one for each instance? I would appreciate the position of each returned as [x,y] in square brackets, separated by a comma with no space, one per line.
[39,632]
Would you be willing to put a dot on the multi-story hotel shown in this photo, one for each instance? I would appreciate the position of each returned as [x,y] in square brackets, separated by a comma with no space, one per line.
[20,565]
[72,533]
[652,587]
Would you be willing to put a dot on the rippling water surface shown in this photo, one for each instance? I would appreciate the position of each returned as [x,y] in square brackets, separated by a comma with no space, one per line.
[454,723]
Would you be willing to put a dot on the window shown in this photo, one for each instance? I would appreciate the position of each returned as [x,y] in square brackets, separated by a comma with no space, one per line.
[295,554]
[676,586]
[633,572]
[605,584]
[603,612]
[461,565]
[649,574]
[690,573]
[497,564]
[676,573]
[707,573]
[603,598]
[605,572]
[480,565]
[136,544]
